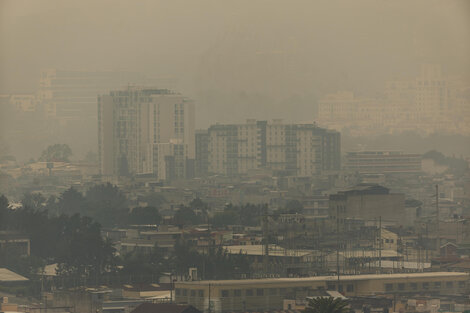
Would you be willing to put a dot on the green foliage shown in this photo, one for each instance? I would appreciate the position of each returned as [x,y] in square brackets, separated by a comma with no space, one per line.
[56,153]
[153,199]
[224,218]
[72,202]
[144,216]
[456,166]
[187,216]
[35,201]
[247,215]
[108,204]
[327,305]
[74,242]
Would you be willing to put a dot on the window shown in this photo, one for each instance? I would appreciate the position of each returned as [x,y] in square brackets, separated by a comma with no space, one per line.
[413,286]
[185,292]
[449,284]
[260,292]
[193,293]
[350,288]
[200,293]
[249,292]
[461,284]
[272,291]
[282,291]
[340,288]
[388,287]
[425,286]
[331,287]
[224,293]
[437,285]
[401,286]
[178,291]
[237,293]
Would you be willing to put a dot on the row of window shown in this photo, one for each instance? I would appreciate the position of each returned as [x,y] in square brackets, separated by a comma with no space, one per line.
[256,292]
[424,286]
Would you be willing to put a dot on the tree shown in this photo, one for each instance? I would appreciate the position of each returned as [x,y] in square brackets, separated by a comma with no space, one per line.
[56,153]
[72,201]
[153,199]
[34,201]
[108,203]
[4,207]
[144,216]
[327,305]
[186,216]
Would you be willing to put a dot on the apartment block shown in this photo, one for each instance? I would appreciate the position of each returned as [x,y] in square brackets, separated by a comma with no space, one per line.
[141,131]
[288,149]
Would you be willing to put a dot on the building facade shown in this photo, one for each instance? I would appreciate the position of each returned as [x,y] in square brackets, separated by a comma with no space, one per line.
[261,295]
[429,102]
[383,162]
[368,202]
[142,131]
[288,149]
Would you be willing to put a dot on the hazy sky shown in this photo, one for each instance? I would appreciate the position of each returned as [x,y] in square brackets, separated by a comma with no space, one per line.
[237,59]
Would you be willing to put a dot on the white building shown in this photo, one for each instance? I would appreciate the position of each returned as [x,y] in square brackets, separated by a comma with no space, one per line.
[131,124]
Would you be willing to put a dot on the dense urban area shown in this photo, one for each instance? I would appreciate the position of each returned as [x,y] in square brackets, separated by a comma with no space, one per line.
[115,198]
[254,216]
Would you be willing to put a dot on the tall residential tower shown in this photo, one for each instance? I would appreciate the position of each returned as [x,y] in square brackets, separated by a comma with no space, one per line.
[139,128]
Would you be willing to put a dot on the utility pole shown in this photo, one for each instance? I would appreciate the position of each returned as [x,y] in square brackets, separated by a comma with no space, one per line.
[337,242]
[209,304]
[380,244]
[437,221]
[266,242]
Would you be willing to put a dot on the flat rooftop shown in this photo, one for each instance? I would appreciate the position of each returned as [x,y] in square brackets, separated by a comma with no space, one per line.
[329,278]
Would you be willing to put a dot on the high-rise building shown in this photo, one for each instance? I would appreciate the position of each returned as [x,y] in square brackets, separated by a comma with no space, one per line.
[135,122]
[68,100]
[202,153]
[289,149]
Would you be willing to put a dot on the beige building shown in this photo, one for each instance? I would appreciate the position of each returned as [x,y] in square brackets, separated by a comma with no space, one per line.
[24,103]
[131,124]
[429,102]
[268,294]
[293,149]
[368,202]
[170,160]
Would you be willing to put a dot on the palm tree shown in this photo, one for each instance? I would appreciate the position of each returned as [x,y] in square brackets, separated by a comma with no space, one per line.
[326,305]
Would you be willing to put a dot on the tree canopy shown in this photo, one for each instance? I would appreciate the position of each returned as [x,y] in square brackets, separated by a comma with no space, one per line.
[56,153]
[327,305]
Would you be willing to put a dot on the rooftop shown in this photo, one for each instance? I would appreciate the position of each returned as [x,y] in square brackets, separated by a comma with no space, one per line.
[8,276]
[329,278]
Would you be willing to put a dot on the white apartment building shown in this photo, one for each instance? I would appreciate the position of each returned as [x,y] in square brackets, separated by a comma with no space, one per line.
[131,124]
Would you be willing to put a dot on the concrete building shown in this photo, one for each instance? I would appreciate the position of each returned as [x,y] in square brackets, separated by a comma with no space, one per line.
[287,149]
[368,202]
[260,295]
[13,244]
[383,162]
[202,153]
[429,102]
[24,102]
[132,125]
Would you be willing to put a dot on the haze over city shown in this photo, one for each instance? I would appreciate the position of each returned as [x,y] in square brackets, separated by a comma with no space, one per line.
[234,156]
